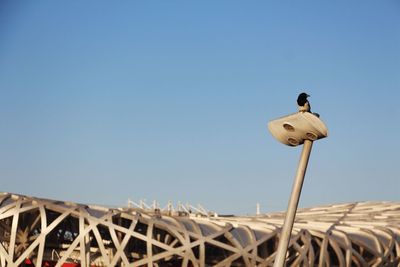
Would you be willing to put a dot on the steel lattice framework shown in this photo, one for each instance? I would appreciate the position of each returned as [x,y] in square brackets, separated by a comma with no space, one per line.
[44,232]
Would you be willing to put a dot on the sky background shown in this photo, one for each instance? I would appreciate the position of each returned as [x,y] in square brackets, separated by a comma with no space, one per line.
[101,101]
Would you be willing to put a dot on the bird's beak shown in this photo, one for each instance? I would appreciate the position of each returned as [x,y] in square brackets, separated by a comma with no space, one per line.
[308,95]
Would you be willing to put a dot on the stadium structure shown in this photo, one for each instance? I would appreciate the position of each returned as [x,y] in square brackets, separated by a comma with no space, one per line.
[42,232]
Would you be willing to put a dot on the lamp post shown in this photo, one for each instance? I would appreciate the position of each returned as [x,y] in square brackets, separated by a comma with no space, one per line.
[293,130]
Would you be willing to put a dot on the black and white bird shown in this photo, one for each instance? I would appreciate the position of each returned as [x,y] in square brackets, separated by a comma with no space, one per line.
[302,103]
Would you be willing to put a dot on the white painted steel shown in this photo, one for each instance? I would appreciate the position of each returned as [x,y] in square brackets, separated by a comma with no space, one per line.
[50,232]
[293,203]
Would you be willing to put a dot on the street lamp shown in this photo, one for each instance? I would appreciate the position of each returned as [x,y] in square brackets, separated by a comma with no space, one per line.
[293,130]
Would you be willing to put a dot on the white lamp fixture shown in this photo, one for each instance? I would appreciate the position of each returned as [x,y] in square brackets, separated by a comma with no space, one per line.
[293,130]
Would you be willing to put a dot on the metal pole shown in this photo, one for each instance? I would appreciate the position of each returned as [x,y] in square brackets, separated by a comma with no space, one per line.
[292,206]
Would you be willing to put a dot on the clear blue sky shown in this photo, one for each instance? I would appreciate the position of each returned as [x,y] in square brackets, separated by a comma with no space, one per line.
[101,101]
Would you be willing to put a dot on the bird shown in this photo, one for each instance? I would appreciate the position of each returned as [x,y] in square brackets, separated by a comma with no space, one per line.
[302,103]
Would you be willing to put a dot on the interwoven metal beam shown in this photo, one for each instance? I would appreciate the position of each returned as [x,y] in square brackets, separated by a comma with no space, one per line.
[40,232]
